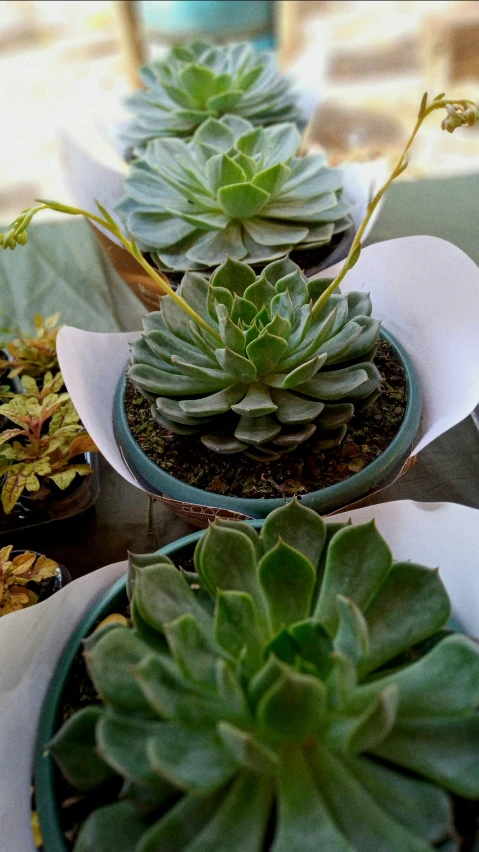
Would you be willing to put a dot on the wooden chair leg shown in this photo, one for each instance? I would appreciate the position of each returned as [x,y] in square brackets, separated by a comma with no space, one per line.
[132,39]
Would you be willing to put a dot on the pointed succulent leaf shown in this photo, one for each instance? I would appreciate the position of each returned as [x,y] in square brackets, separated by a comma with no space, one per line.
[357,815]
[304,820]
[193,649]
[110,661]
[292,708]
[414,600]
[236,367]
[257,430]
[233,275]
[241,820]
[237,628]
[224,548]
[247,750]
[360,730]
[293,409]
[138,561]
[256,402]
[438,684]
[417,805]
[180,825]
[170,696]
[438,749]
[162,595]
[117,826]
[74,749]
[266,351]
[357,563]
[122,742]
[297,526]
[352,636]
[287,579]
[196,761]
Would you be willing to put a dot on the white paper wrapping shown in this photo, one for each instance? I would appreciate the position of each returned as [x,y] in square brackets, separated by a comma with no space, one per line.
[440,535]
[424,289]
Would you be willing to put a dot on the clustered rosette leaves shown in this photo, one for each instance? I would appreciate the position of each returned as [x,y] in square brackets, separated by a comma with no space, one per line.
[199,81]
[282,372]
[233,190]
[298,692]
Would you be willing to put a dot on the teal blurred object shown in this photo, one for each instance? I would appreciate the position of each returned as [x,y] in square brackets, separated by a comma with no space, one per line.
[216,19]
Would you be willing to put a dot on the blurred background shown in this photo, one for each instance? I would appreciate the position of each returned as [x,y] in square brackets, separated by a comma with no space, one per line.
[361,68]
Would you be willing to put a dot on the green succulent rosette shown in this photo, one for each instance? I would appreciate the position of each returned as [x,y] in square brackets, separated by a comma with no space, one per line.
[233,190]
[198,81]
[298,692]
[282,372]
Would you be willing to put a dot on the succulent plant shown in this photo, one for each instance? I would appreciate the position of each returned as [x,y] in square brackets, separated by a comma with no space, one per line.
[281,372]
[199,81]
[232,190]
[298,692]
[43,446]
[16,573]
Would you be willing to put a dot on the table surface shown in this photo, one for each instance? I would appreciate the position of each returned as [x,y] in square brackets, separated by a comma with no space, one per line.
[62,269]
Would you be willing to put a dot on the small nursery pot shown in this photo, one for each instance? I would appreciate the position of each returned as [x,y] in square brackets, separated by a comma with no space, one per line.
[45,771]
[80,495]
[198,506]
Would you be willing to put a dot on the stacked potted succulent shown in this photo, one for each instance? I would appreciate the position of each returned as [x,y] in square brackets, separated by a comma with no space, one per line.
[287,687]
[217,168]
[262,377]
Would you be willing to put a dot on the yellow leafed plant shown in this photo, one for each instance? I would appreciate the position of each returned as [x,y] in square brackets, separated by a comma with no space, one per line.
[16,573]
[34,354]
[41,447]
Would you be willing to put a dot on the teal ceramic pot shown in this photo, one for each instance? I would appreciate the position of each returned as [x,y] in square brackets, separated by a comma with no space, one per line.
[198,506]
[179,19]
[46,775]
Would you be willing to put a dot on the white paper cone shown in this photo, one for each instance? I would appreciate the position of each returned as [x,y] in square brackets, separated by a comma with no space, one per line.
[440,535]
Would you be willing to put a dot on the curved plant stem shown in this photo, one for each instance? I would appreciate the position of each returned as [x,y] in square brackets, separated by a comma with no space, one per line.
[19,226]
[401,165]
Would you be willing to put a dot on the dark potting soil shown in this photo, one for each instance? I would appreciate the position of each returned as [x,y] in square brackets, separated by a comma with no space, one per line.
[308,468]
[75,807]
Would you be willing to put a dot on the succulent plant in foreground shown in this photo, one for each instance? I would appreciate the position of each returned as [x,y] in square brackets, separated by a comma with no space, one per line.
[282,371]
[297,693]
[198,81]
[232,190]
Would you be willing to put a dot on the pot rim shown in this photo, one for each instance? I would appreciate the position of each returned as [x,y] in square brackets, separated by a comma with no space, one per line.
[158,481]
[44,766]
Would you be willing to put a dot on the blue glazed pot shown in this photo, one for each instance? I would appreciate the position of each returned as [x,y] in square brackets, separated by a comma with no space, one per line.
[51,720]
[188,18]
[193,502]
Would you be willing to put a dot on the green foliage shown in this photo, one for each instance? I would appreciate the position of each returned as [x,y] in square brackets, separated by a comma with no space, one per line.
[34,355]
[199,81]
[233,190]
[16,573]
[280,681]
[43,445]
[283,370]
